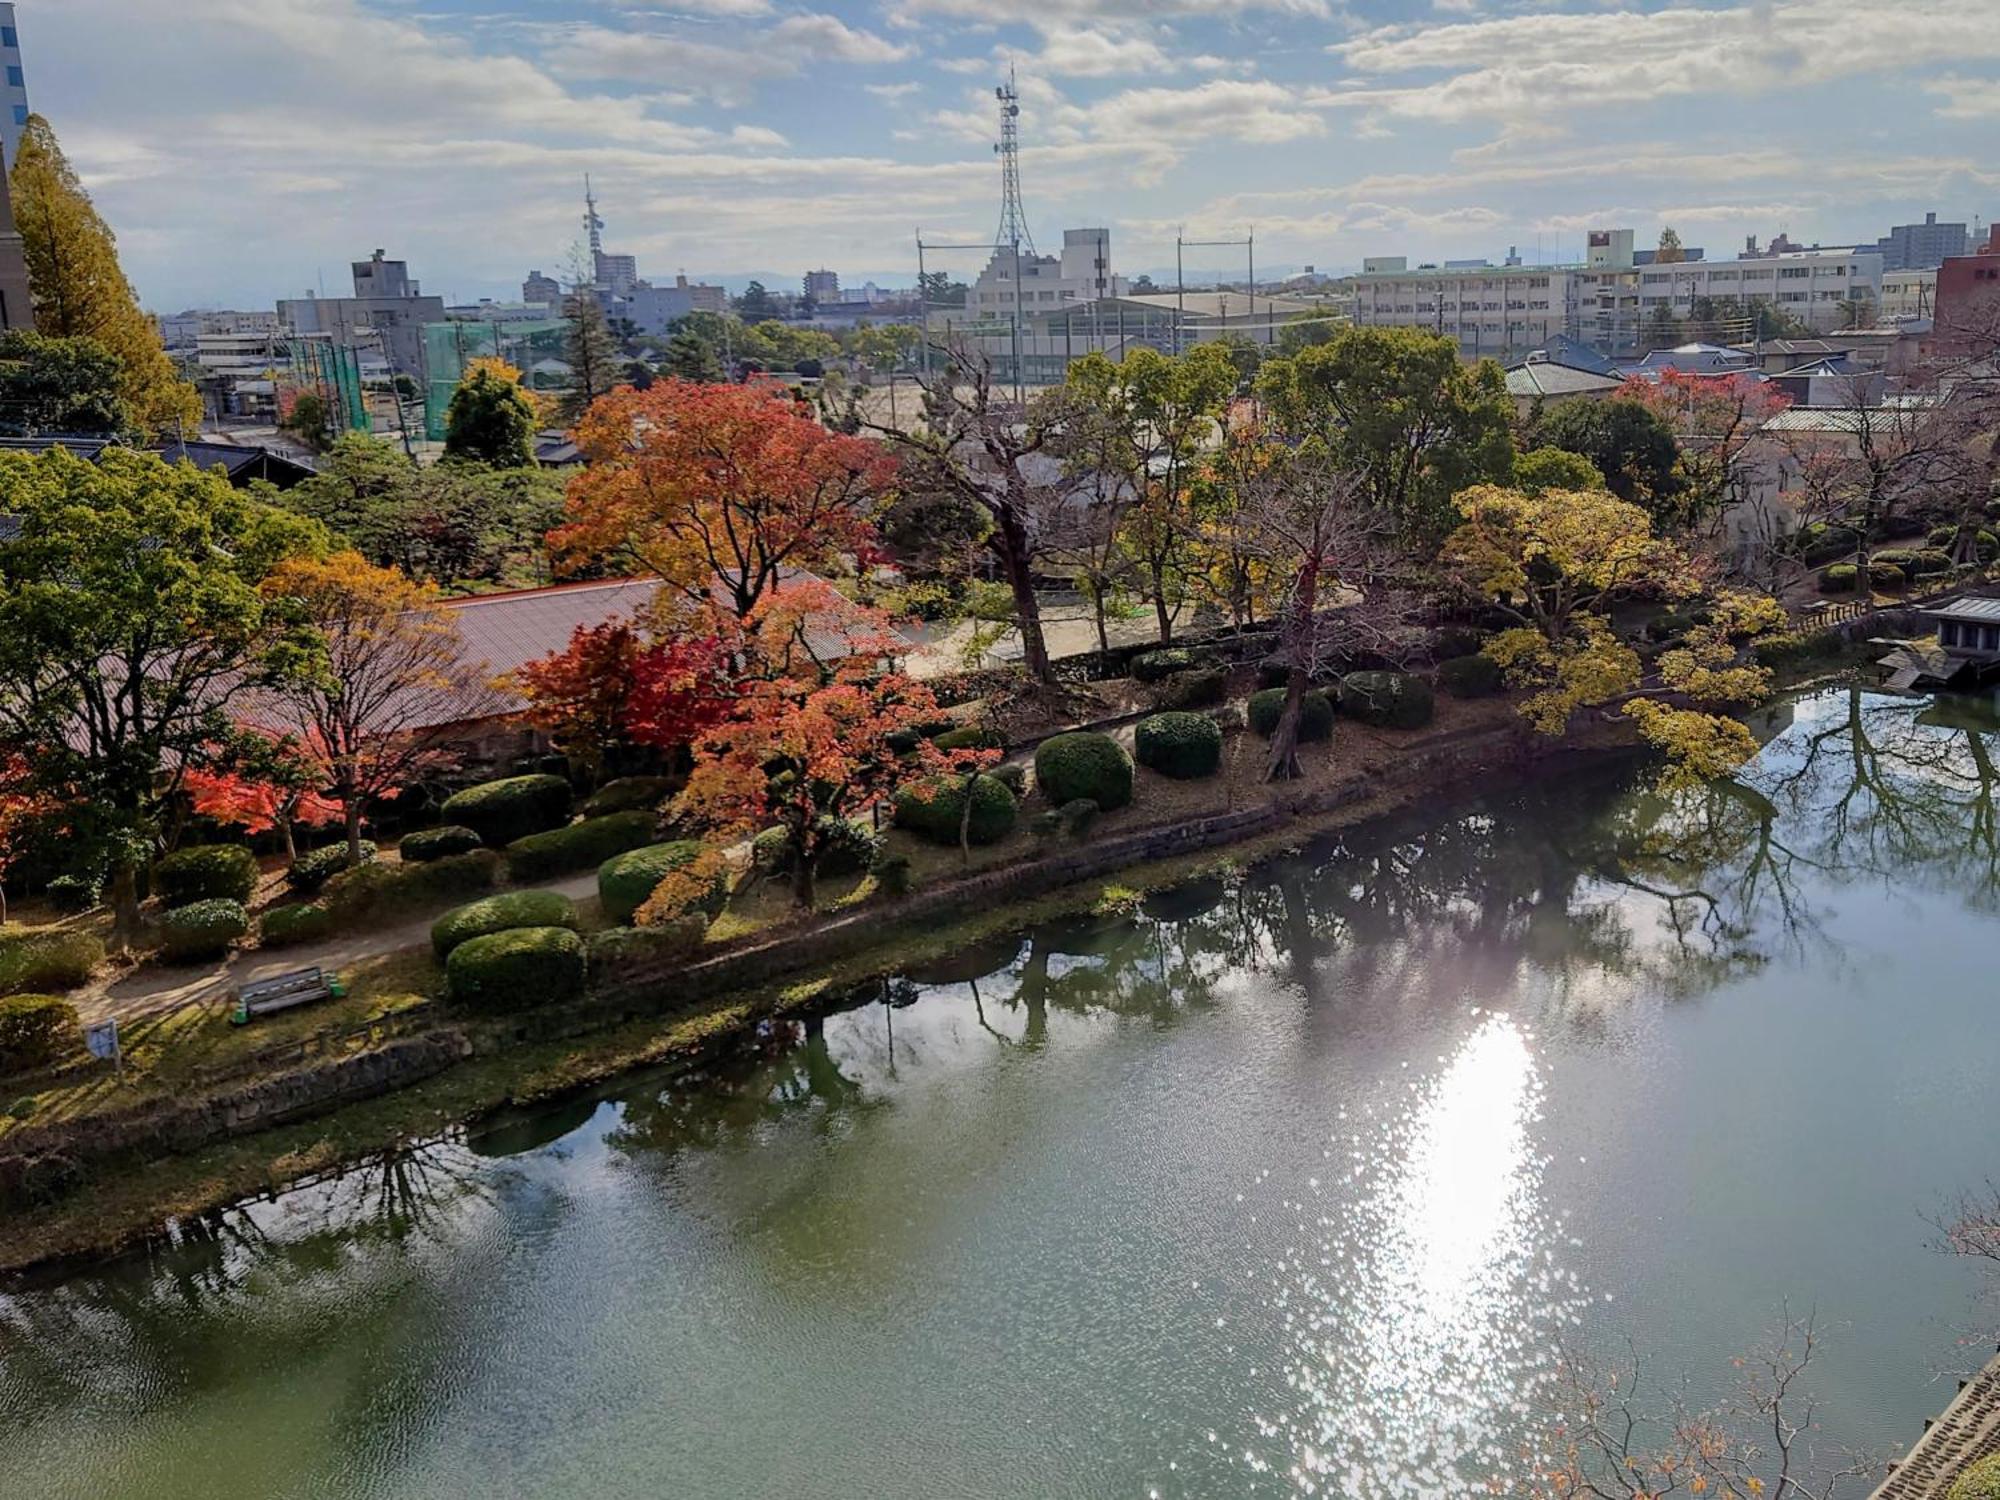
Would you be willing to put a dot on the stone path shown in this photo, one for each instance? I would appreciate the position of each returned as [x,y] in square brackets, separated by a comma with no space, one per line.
[1969,1430]
[156,987]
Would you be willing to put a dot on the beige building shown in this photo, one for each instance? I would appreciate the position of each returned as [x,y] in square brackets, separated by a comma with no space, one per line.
[1907,296]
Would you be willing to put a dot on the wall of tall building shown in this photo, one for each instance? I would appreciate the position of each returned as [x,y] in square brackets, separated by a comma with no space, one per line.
[13,85]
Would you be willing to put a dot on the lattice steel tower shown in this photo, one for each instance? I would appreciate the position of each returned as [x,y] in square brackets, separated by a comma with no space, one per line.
[1013,217]
[593,226]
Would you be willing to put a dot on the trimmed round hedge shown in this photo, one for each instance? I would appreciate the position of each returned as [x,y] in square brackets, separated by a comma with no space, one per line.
[311,871]
[202,929]
[35,1030]
[370,888]
[511,808]
[284,925]
[933,809]
[1181,745]
[501,913]
[1157,666]
[204,872]
[1388,700]
[1475,676]
[1886,575]
[580,846]
[1084,765]
[628,794]
[1979,1481]
[1315,713]
[518,969]
[437,843]
[1838,579]
[1197,689]
[38,960]
[626,880]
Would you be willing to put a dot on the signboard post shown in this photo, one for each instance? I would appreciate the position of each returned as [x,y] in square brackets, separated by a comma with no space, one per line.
[102,1040]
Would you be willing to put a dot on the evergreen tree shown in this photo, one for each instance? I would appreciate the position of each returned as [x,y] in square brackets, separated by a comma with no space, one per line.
[755,304]
[592,355]
[78,287]
[52,385]
[490,419]
[1670,252]
[691,357]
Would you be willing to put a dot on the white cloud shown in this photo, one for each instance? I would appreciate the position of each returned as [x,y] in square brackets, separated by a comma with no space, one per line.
[1045,12]
[1255,111]
[892,90]
[725,71]
[1086,52]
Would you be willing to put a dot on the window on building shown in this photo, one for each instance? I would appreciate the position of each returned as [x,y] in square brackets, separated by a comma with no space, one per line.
[9,37]
[14,78]
[1791,273]
[20,114]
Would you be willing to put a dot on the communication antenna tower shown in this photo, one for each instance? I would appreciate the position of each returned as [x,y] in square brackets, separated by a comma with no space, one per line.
[1013,218]
[593,227]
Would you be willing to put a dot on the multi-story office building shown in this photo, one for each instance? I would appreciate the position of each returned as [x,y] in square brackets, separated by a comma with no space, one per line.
[1082,273]
[1907,295]
[1921,247]
[617,274]
[822,285]
[17,309]
[14,95]
[1609,301]
[385,316]
[543,289]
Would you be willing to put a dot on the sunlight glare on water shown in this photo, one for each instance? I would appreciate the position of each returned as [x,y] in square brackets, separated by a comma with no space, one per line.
[1420,1307]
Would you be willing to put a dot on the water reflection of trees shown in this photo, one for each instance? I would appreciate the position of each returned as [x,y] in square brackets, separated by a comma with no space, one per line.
[1588,887]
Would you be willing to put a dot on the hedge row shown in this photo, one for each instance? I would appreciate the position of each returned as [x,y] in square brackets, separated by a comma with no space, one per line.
[35,1030]
[437,843]
[624,882]
[1315,713]
[311,871]
[628,794]
[511,808]
[501,913]
[934,809]
[1181,745]
[40,960]
[1157,666]
[203,872]
[1084,765]
[368,889]
[612,952]
[306,923]
[517,969]
[1475,676]
[1388,700]
[580,846]
[203,929]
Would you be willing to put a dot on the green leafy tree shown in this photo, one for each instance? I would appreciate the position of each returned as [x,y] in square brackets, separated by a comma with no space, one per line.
[755,304]
[1398,407]
[1555,469]
[1632,449]
[61,385]
[309,420]
[458,524]
[490,419]
[591,354]
[79,289]
[939,290]
[691,357]
[130,618]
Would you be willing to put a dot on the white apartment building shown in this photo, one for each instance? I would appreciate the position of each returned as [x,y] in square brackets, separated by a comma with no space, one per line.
[1508,311]
[1082,273]
[1907,295]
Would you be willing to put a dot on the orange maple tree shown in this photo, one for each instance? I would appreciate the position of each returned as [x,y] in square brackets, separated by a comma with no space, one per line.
[1717,420]
[813,740]
[720,490]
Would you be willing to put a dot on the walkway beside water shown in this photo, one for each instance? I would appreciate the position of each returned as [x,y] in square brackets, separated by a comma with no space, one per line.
[1968,1431]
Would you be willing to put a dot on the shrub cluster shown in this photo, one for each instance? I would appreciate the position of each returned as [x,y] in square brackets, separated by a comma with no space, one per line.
[41,960]
[1157,666]
[1476,676]
[1916,562]
[628,794]
[1838,579]
[203,929]
[1978,1481]
[511,808]
[1197,689]
[1795,649]
[619,949]
[437,843]
[35,1030]
[1181,745]
[1273,671]
[203,872]
[1388,700]
[285,925]
[1315,713]
[501,913]
[517,969]
[625,881]
[1885,575]
[1084,765]
[580,846]
[933,809]
[846,847]
[894,874]
[366,889]
[970,737]
[74,894]
[311,871]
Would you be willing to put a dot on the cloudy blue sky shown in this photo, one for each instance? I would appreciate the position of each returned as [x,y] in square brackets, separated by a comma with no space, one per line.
[244,147]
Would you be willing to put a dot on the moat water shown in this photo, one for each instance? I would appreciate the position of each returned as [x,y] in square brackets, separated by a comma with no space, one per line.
[1302,1182]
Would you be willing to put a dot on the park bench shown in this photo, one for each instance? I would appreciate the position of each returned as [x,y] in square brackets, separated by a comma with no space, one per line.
[283,991]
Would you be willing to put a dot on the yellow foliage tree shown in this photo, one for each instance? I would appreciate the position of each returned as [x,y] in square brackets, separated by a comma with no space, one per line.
[1555,561]
[80,291]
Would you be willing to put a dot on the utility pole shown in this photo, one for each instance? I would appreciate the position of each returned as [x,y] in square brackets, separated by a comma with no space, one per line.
[1180,277]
